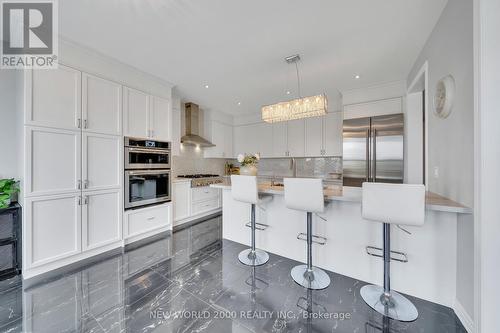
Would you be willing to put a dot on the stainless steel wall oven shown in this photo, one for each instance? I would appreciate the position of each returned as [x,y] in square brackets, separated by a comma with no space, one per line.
[147,172]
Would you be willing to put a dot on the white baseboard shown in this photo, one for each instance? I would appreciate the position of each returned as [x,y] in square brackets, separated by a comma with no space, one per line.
[464,317]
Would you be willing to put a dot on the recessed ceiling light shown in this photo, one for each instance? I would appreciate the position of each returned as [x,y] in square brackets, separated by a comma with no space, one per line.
[239,103]
[288,92]
[206,86]
[357,77]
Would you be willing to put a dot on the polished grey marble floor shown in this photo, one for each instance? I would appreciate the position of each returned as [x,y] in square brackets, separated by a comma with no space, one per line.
[192,281]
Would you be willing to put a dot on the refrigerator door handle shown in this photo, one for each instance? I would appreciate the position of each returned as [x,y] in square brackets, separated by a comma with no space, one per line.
[374,152]
[367,155]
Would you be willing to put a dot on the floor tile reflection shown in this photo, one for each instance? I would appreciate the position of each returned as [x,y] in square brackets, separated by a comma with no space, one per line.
[192,281]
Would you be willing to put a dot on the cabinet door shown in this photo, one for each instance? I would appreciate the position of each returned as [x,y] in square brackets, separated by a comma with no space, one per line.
[181,197]
[101,105]
[53,160]
[280,139]
[102,161]
[136,113]
[228,141]
[264,133]
[296,138]
[314,136]
[161,119]
[54,98]
[217,138]
[332,134]
[176,132]
[53,228]
[101,218]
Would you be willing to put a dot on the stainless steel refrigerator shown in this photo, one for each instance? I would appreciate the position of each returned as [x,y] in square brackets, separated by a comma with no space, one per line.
[373,150]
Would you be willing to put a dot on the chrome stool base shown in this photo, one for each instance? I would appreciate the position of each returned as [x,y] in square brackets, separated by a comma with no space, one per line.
[253,258]
[399,307]
[314,279]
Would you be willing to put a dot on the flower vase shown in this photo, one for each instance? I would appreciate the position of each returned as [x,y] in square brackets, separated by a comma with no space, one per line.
[248,170]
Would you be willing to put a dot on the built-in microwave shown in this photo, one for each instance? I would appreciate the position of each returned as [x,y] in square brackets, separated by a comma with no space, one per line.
[146,154]
[147,187]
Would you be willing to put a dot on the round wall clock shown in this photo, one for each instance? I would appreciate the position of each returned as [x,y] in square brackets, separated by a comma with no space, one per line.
[444,96]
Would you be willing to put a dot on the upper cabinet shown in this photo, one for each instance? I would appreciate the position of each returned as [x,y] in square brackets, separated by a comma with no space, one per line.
[323,135]
[160,119]
[53,98]
[220,134]
[332,134]
[101,105]
[136,122]
[146,116]
[310,137]
[295,138]
[279,146]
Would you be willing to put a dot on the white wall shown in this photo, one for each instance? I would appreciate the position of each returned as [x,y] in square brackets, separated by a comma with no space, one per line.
[10,113]
[374,92]
[449,50]
[487,47]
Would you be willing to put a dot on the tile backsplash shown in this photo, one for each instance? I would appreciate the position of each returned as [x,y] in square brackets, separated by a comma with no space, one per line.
[191,161]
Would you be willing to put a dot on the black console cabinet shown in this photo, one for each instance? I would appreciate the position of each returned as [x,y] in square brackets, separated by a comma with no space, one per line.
[10,241]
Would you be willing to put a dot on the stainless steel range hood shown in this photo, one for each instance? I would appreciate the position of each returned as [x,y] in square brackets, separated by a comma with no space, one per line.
[192,136]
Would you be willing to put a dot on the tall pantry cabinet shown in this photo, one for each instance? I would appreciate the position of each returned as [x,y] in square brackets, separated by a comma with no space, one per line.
[73,166]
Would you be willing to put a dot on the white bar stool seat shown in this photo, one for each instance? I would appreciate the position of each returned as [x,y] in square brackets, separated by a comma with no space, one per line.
[306,194]
[401,204]
[244,189]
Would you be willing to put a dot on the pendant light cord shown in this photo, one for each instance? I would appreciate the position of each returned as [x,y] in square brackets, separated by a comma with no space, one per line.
[298,78]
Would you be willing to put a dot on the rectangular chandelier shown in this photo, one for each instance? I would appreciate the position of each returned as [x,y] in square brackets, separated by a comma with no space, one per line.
[313,106]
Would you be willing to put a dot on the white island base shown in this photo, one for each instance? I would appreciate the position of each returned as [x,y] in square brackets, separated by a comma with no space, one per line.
[430,272]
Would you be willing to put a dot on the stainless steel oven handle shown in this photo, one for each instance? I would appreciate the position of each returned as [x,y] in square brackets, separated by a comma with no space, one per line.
[148,172]
[148,150]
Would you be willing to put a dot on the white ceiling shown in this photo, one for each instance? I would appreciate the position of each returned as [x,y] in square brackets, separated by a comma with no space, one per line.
[237,46]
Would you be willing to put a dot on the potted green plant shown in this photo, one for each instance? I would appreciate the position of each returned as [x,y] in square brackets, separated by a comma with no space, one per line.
[248,164]
[8,187]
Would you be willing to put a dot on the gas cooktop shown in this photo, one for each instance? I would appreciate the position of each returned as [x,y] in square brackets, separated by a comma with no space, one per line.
[200,179]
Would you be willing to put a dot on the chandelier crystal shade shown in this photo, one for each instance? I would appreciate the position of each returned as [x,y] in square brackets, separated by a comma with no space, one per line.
[313,106]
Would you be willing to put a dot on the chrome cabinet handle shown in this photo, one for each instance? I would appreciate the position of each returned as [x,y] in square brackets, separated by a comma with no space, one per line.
[79,123]
[86,184]
[151,218]
[79,201]
[79,184]
[86,200]
[85,123]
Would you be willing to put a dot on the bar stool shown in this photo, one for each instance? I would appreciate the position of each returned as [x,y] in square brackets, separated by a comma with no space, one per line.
[306,194]
[244,189]
[400,204]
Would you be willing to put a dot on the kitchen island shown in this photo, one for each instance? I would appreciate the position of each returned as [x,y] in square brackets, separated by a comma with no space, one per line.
[430,272]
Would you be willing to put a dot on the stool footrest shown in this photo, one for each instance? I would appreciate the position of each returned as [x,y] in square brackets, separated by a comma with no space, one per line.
[399,256]
[315,239]
[258,226]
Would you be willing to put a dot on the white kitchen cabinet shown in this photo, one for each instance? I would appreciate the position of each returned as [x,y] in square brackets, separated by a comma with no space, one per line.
[53,228]
[101,105]
[254,138]
[146,116]
[136,113]
[228,141]
[102,217]
[53,159]
[143,220]
[314,136]
[332,134]
[181,198]
[219,135]
[53,98]
[295,138]
[160,119]
[102,161]
[280,145]
[176,132]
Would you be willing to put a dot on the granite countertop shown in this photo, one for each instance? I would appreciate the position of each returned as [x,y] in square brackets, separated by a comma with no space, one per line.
[433,201]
